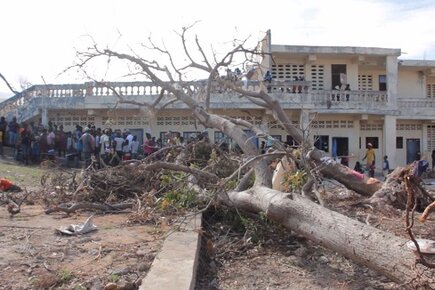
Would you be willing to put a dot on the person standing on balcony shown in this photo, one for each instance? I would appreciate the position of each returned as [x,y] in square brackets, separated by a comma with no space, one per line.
[347,88]
[268,79]
[370,157]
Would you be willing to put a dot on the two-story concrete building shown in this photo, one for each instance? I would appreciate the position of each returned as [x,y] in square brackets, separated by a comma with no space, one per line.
[388,102]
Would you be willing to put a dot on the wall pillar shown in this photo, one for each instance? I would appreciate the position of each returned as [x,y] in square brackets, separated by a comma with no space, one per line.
[44,117]
[265,120]
[389,136]
[392,76]
[304,120]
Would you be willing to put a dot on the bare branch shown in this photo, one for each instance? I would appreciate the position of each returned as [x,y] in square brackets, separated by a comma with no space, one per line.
[8,84]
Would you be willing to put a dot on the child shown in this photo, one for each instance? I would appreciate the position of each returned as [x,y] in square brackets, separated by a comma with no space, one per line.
[358,167]
[126,150]
[386,167]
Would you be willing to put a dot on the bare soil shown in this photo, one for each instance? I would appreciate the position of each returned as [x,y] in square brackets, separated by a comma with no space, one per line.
[251,254]
[34,256]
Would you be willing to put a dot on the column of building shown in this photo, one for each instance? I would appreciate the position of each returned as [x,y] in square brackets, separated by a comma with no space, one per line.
[390,133]
[389,137]
[392,77]
[304,121]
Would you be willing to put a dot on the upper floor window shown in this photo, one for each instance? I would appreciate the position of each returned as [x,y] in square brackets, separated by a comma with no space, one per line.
[365,82]
[317,77]
[430,90]
[382,82]
[288,72]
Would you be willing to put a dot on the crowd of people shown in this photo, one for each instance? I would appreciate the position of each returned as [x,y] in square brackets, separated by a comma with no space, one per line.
[33,143]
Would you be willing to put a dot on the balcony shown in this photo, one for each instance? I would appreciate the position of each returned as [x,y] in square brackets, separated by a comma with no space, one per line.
[290,94]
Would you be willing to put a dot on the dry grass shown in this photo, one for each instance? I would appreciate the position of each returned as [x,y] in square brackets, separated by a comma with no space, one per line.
[23,176]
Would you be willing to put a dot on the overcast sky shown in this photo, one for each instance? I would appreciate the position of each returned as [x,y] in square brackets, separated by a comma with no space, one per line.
[39,38]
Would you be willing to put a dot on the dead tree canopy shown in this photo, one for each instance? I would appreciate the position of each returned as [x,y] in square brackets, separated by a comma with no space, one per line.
[364,244]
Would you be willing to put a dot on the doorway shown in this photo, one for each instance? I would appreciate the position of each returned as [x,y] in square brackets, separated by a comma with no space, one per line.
[138,133]
[340,149]
[338,75]
[412,150]
[252,137]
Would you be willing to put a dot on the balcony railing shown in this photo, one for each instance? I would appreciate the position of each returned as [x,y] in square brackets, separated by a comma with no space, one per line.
[337,97]
[416,103]
[291,94]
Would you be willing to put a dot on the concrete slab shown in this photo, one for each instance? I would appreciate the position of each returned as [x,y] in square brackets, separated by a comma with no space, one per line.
[176,264]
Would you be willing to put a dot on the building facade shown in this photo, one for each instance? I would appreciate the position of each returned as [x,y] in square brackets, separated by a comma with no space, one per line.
[342,97]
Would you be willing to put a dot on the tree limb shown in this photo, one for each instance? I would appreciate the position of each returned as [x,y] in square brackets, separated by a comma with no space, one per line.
[8,84]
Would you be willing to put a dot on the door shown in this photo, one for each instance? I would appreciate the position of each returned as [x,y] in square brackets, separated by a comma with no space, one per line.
[138,133]
[252,137]
[340,149]
[412,150]
[338,75]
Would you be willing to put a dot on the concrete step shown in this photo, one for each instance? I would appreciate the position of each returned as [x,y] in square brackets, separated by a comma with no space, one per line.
[175,266]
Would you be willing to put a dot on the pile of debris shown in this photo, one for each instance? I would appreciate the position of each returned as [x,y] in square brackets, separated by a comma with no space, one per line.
[148,188]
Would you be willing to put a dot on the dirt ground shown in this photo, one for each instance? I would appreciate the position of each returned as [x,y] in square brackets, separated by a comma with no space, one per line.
[34,256]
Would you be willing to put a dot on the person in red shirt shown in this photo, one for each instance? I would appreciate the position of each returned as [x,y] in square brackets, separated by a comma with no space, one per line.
[7,185]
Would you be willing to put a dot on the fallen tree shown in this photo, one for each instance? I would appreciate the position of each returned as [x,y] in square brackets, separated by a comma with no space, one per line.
[364,244]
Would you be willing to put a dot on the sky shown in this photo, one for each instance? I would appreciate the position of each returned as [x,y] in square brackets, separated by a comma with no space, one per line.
[40,38]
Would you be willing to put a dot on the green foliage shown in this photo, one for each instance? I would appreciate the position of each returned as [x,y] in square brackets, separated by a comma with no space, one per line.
[230,185]
[114,278]
[295,181]
[169,178]
[264,218]
[178,195]
[179,198]
[65,275]
[251,180]
[214,158]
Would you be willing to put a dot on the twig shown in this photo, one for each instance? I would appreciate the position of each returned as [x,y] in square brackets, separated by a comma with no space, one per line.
[89,206]
[23,227]
[411,201]
[99,254]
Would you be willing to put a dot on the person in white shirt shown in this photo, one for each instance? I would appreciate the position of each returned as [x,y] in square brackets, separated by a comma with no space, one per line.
[118,142]
[104,143]
[126,150]
[129,136]
[134,147]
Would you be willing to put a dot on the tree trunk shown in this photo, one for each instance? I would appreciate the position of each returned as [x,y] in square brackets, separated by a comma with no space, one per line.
[352,179]
[366,245]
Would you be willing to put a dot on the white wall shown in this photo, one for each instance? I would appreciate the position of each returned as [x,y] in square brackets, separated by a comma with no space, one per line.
[411,84]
